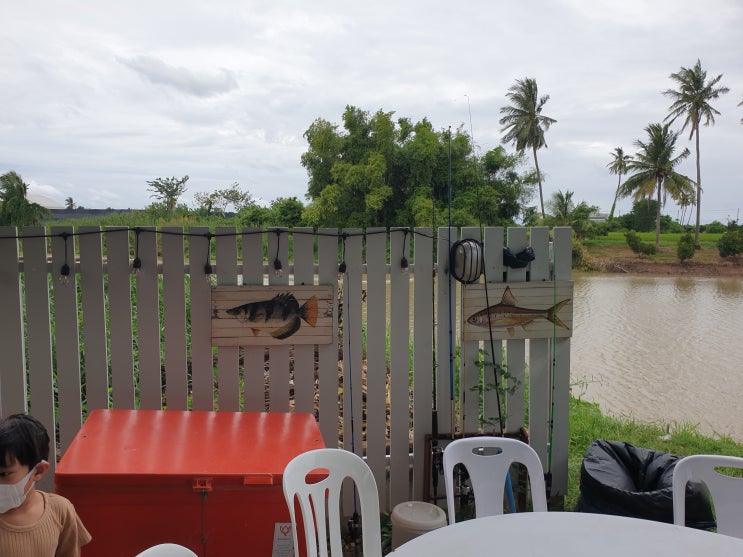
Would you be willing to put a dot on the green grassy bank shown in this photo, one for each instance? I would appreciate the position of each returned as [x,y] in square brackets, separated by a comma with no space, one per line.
[587,424]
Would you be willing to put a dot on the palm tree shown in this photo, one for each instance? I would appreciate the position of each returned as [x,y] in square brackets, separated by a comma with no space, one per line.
[692,100]
[618,166]
[741,104]
[654,171]
[523,122]
[15,209]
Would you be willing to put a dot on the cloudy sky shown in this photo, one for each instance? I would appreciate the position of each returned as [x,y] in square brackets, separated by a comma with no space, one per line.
[97,98]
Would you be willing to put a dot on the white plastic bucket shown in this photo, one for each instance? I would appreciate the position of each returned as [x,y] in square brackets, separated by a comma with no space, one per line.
[413,518]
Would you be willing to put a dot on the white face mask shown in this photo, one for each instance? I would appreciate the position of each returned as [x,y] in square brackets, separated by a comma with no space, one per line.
[12,496]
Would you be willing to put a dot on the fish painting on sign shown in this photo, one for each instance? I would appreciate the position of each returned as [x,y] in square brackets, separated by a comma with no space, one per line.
[254,315]
[532,319]
[279,317]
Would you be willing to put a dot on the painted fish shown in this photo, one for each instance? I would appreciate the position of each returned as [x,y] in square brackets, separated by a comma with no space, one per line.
[507,315]
[280,316]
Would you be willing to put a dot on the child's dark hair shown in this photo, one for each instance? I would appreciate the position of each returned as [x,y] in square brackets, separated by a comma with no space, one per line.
[23,438]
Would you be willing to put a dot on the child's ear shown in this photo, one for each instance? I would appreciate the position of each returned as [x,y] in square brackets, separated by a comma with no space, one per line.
[39,471]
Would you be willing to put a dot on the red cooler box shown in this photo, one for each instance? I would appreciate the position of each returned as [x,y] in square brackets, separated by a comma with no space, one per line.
[208,480]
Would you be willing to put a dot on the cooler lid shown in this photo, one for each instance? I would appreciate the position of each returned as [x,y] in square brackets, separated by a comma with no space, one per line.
[153,445]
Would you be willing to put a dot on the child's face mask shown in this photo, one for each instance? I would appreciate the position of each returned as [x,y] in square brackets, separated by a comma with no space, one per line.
[12,496]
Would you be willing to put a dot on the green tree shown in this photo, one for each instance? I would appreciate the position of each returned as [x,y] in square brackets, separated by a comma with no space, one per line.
[15,209]
[219,200]
[654,173]
[618,166]
[286,211]
[566,213]
[524,124]
[730,243]
[168,190]
[69,204]
[692,101]
[685,248]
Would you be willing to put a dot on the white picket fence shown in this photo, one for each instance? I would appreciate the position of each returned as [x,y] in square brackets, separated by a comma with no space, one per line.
[103,337]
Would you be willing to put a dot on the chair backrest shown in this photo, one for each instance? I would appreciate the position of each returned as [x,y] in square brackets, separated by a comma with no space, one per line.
[488,461]
[726,491]
[319,498]
[167,550]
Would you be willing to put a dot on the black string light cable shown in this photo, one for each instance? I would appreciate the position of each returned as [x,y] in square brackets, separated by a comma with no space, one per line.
[208,269]
[404,260]
[137,262]
[64,271]
[342,266]
[277,267]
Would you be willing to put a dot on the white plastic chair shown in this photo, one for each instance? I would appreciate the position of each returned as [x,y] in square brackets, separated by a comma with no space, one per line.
[320,502]
[726,491]
[167,550]
[488,460]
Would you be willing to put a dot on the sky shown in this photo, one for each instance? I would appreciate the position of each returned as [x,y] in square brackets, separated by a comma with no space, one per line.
[98,98]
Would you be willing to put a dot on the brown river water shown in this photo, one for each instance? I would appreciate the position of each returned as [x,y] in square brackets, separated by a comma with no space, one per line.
[661,349]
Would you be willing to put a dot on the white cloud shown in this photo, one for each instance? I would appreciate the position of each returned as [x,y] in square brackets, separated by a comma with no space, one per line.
[99,98]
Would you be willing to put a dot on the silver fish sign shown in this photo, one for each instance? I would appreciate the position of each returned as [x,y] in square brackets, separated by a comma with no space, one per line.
[280,316]
[507,315]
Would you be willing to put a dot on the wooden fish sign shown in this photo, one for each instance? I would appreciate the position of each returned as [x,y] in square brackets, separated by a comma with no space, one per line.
[271,315]
[518,310]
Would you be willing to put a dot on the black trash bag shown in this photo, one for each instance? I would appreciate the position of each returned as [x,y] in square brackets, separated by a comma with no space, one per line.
[520,260]
[621,479]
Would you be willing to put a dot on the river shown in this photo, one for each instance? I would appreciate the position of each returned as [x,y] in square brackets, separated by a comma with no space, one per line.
[661,349]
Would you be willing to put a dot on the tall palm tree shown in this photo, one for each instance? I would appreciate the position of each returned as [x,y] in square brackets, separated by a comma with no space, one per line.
[618,166]
[654,173]
[523,122]
[692,100]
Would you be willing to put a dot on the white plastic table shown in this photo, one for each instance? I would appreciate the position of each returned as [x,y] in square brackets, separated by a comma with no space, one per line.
[539,534]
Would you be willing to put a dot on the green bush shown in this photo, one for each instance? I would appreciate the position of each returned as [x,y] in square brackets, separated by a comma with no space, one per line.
[685,248]
[637,245]
[714,227]
[730,243]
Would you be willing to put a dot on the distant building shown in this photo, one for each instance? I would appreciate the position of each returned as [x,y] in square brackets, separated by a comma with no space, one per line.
[598,217]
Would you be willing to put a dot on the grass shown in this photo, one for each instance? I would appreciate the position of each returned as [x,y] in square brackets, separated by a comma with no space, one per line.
[614,245]
[587,424]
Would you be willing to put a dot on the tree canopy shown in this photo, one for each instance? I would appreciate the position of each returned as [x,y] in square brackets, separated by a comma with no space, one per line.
[15,208]
[376,170]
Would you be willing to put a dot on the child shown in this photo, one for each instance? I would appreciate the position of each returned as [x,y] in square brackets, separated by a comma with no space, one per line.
[32,523]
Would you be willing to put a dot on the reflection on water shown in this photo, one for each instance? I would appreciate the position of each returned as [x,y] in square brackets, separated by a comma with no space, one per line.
[666,349]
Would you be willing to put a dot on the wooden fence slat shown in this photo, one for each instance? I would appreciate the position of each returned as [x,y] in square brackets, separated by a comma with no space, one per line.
[493,271]
[66,338]
[254,394]
[147,280]
[376,358]
[174,319]
[446,319]
[120,312]
[469,371]
[352,355]
[516,349]
[199,288]
[278,389]
[539,366]
[304,354]
[423,331]
[399,369]
[327,354]
[38,329]
[13,378]
[228,357]
[563,237]
[94,327]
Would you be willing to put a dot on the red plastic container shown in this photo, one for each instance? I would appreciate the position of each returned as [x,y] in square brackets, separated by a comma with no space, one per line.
[208,480]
